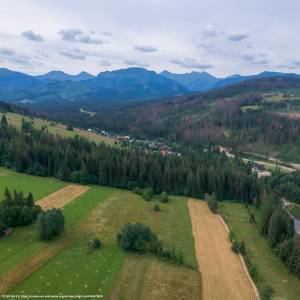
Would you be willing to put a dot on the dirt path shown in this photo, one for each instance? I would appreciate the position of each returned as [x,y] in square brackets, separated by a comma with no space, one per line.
[62,197]
[223,274]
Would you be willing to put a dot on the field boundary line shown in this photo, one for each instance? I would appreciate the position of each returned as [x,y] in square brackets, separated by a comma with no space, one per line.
[243,263]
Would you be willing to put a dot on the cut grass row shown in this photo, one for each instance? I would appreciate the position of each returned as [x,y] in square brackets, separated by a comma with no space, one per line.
[270,270]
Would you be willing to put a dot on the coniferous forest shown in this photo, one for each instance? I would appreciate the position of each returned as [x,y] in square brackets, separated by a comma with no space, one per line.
[35,151]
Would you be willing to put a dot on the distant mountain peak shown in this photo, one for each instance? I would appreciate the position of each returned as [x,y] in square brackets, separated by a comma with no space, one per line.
[62,76]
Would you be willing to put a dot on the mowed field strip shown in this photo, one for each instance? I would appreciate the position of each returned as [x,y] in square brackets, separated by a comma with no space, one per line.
[223,275]
[62,197]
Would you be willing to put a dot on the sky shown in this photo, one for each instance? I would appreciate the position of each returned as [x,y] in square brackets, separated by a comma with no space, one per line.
[220,37]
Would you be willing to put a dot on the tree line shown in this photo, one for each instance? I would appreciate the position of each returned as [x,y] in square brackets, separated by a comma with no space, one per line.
[37,152]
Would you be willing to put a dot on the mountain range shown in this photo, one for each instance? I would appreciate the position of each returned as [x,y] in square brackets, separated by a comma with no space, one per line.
[124,84]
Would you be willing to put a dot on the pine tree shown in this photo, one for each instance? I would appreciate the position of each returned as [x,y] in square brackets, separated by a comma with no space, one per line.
[3,121]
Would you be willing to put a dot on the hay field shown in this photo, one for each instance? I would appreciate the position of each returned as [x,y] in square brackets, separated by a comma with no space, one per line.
[223,275]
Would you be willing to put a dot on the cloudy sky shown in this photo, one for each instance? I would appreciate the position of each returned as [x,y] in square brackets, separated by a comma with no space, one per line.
[221,37]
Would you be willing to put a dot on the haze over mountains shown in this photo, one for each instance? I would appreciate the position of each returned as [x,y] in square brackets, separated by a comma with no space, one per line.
[123,84]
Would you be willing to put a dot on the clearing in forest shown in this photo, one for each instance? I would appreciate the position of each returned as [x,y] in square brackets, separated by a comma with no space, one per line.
[223,275]
[62,197]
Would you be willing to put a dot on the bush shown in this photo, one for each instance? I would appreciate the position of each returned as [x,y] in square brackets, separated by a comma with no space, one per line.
[163,197]
[96,244]
[135,237]
[147,194]
[238,247]
[252,219]
[50,224]
[156,207]
[139,238]
[213,203]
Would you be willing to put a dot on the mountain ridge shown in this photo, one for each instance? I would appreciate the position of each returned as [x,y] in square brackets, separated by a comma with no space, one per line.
[124,84]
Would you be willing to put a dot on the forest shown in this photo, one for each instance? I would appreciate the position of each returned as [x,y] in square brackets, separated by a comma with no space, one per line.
[35,151]
[237,115]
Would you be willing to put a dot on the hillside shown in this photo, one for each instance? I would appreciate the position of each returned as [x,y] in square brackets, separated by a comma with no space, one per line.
[15,116]
[193,81]
[258,115]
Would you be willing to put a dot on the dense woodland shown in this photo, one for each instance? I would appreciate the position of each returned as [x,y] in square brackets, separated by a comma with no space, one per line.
[219,117]
[37,152]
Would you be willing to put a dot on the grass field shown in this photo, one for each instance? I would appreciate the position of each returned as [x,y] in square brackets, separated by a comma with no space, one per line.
[29,266]
[56,128]
[39,186]
[100,269]
[269,268]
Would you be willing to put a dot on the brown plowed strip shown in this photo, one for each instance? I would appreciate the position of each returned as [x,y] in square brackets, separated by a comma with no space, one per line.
[223,275]
[62,197]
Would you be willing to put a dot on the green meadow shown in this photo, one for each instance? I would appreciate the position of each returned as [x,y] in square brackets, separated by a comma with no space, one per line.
[66,266]
[270,270]
[39,186]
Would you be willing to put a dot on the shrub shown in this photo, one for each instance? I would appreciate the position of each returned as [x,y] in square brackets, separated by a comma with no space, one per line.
[135,237]
[163,197]
[252,219]
[147,194]
[213,203]
[96,244]
[50,224]
[139,238]
[156,207]
[238,247]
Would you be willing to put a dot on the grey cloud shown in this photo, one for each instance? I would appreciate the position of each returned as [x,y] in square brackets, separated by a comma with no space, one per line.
[131,62]
[248,57]
[70,34]
[72,55]
[210,31]
[6,51]
[104,63]
[145,48]
[206,46]
[260,59]
[176,61]
[13,57]
[31,36]
[191,64]
[107,33]
[236,36]
[77,35]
